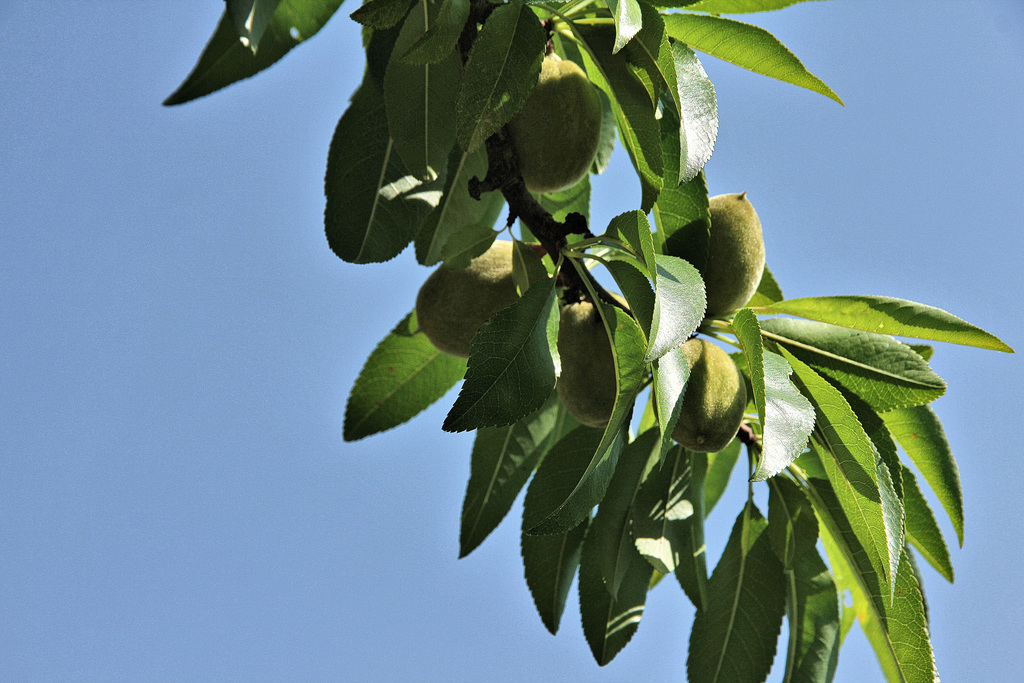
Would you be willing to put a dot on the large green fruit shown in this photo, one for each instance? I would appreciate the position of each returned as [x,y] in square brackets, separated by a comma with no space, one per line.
[557,132]
[735,254]
[453,304]
[587,383]
[713,401]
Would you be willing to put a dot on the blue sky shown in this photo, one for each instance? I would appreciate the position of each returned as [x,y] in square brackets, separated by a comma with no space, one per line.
[176,501]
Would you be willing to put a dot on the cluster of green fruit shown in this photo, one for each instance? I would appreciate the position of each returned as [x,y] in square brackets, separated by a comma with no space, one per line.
[453,304]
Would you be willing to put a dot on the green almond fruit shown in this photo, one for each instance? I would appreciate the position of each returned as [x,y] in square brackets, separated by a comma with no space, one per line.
[587,384]
[735,254]
[714,399]
[558,130]
[453,304]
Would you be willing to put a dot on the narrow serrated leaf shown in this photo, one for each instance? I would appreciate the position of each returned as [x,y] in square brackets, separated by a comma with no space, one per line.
[922,530]
[609,623]
[627,18]
[920,434]
[502,460]
[571,480]
[849,459]
[744,45]
[720,467]
[549,563]
[732,6]
[500,74]
[670,375]
[439,41]
[511,369]
[734,639]
[404,375]
[382,14]
[884,372]
[226,60]
[251,18]
[887,315]
[768,291]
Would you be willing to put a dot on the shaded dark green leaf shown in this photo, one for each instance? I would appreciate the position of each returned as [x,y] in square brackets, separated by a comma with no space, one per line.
[512,363]
[550,564]
[382,14]
[251,18]
[502,460]
[735,638]
[404,375]
[439,40]
[500,74]
[922,530]
[374,206]
[226,60]
[768,291]
[720,466]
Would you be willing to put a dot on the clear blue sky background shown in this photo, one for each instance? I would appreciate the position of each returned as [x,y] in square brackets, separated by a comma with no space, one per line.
[176,501]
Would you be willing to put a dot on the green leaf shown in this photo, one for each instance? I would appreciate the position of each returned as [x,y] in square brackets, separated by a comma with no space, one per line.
[692,571]
[570,481]
[374,206]
[698,112]
[457,211]
[720,466]
[920,434]
[511,365]
[527,267]
[382,14]
[660,514]
[896,317]
[735,6]
[606,145]
[226,60]
[734,639]
[768,291]
[634,285]
[897,632]
[609,623]
[682,218]
[679,304]
[922,530]
[418,100]
[403,375]
[627,18]
[501,72]
[251,18]
[750,47]
[632,228]
[550,564]
[849,459]
[634,109]
[885,373]
[439,41]
[812,604]
[503,459]
[611,544]
[670,377]
[787,418]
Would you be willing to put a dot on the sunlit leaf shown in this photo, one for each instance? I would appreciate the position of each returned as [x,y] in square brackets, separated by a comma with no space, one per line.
[891,316]
[922,530]
[750,47]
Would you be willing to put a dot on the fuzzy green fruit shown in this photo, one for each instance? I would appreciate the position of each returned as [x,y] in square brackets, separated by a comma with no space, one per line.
[713,401]
[587,383]
[453,304]
[557,132]
[735,254]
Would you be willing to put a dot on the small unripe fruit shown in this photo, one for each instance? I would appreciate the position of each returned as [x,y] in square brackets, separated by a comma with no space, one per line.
[714,399]
[735,254]
[453,304]
[557,132]
[587,384]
